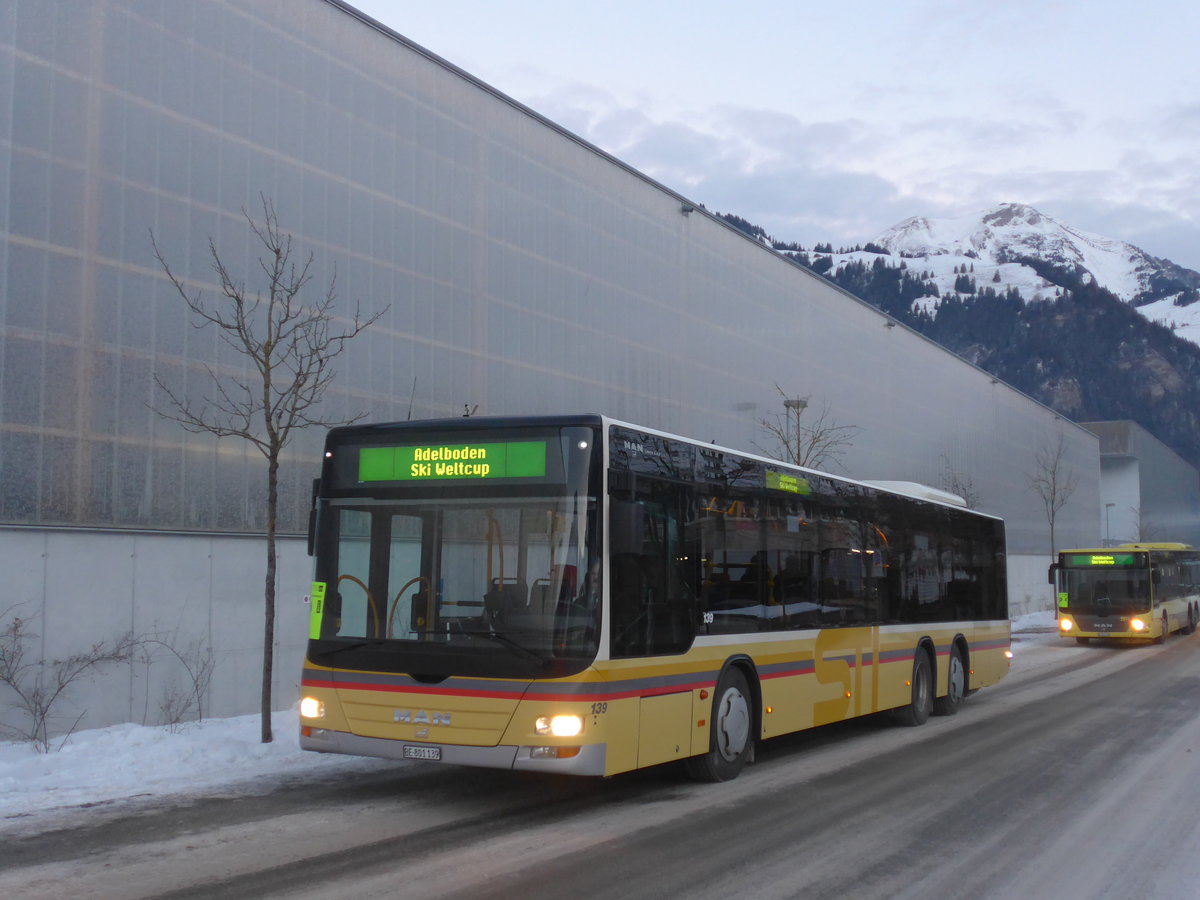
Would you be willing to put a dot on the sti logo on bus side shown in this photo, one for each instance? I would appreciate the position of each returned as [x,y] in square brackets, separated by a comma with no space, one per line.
[421,717]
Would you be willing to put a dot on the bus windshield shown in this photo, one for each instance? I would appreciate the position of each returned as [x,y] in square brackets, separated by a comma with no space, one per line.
[474,578]
[1108,591]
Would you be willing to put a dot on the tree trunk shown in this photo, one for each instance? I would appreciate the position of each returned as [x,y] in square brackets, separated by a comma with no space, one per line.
[269,595]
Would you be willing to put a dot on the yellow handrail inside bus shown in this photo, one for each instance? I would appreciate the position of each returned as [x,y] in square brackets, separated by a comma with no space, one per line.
[494,538]
[370,601]
[400,593]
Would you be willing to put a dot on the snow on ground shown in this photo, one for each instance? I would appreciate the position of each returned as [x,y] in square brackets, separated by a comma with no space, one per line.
[123,762]
[129,761]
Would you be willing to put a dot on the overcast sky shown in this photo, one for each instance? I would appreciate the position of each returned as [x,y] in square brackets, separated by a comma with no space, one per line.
[833,121]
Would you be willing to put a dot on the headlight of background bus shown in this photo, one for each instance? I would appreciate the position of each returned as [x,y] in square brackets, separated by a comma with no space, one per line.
[560,726]
[1137,624]
[312,708]
[1065,624]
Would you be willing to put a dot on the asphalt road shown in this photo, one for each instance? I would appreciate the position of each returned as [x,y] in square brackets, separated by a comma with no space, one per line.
[1076,777]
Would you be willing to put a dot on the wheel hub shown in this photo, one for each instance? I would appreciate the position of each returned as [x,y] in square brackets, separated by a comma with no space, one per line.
[733,724]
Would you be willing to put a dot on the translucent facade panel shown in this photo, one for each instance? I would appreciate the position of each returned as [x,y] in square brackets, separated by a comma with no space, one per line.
[521,271]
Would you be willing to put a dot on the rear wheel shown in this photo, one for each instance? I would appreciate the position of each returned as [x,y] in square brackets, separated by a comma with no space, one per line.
[917,711]
[729,740]
[956,685]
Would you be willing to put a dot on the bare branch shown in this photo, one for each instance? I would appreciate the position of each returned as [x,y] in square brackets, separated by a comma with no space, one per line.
[960,483]
[288,344]
[1053,481]
[813,442]
[39,685]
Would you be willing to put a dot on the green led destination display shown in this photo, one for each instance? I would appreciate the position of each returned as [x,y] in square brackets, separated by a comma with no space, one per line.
[463,462]
[793,484]
[1100,559]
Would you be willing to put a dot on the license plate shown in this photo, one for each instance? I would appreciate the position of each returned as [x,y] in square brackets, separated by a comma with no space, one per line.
[433,753]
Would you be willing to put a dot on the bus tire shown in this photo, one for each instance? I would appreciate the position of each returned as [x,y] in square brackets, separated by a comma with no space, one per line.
[956,685]
[918,709]
[729,738]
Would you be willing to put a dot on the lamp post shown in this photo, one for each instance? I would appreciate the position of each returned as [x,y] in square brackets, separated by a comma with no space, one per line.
[1107,530]
[794,406]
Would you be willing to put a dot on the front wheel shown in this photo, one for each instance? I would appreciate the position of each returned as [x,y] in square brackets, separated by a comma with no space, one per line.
[956,685]
[729,741]
[917,711]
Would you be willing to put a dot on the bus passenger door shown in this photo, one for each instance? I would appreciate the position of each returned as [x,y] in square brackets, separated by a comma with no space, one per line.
[653,606]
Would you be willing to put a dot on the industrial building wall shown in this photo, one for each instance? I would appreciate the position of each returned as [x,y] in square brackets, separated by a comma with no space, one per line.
[178,596]
[1148,491]
[517,269]
[1121,498]
[1169,507]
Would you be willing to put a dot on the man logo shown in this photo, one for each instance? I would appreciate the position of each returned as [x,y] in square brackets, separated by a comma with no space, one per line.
[420,717]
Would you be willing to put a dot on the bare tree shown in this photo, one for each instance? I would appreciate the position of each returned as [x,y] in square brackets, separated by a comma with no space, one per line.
[1053,481]
[1147,529]
[960,483]
[290,346]
[38,685]
[180,702]
[814,442]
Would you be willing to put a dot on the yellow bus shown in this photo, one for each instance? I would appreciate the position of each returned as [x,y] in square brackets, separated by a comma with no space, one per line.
[587,596]
[1144,591]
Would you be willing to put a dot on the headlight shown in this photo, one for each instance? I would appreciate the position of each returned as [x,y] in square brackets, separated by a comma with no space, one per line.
[1065,624]
[312,708]
[560,726]
[1137,624]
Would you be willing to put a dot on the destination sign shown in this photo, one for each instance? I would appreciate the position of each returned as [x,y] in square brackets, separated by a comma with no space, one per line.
[463,462]
[1101,559]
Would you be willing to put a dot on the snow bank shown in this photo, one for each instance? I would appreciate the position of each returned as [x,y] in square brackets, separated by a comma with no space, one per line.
[125,761]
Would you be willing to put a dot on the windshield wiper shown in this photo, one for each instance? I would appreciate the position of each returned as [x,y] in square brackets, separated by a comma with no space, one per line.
[507,642]
[334,651]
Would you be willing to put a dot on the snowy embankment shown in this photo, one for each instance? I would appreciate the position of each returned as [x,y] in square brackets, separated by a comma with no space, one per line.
[136,762]
[132,762]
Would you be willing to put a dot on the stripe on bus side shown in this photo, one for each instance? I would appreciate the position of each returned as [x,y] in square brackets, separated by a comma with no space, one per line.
[617,687]
[590,692]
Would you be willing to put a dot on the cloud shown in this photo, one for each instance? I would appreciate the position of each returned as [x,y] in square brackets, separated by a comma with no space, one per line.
[1183,121]
[846,180]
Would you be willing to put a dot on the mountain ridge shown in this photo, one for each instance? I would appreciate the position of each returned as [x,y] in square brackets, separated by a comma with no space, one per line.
[1095,328]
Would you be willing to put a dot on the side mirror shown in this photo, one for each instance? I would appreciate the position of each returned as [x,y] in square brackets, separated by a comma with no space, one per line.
[1052,574]
[312,517]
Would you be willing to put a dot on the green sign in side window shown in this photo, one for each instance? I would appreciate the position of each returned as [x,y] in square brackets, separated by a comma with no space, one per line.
[317,598]
[432,462]
[793,484]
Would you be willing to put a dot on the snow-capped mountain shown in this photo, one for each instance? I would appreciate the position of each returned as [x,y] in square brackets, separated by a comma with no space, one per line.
[1089,351]
[1012,245]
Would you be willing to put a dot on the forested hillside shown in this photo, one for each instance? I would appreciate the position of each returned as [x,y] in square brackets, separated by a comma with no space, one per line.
[1076,347]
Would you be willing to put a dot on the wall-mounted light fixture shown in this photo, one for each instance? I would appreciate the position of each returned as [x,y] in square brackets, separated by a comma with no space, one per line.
[687,208]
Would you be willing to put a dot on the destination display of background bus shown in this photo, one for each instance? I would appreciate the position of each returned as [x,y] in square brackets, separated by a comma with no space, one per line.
[587,596]
[1141,591]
